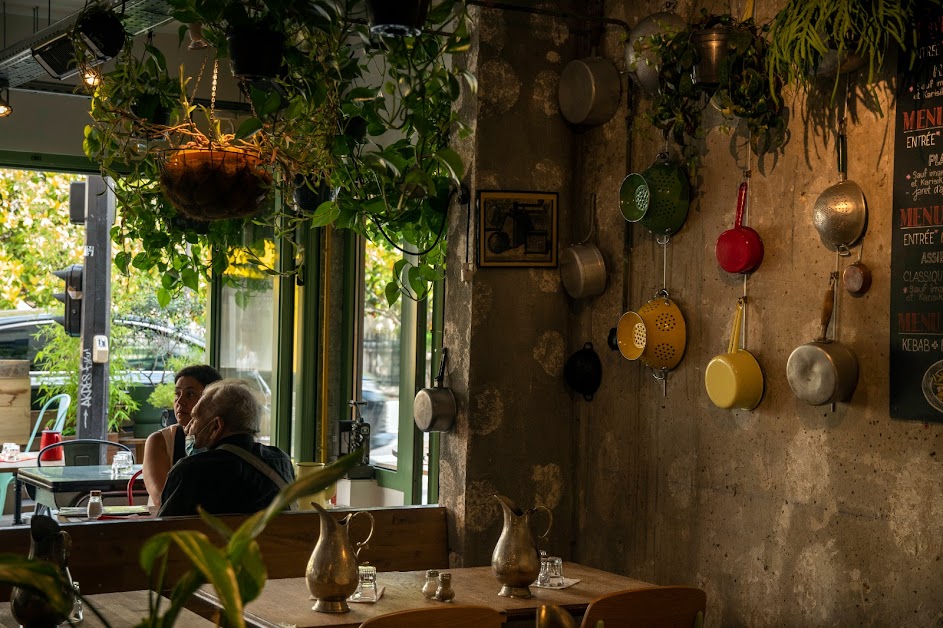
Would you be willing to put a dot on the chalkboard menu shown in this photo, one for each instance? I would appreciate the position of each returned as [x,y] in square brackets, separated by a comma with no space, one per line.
[916,355]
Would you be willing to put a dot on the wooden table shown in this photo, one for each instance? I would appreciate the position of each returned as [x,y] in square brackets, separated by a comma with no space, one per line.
[53,480]
[286,601]
[120,609]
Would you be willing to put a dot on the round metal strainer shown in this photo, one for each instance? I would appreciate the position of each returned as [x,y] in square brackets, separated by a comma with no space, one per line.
[840,213]
[634,197]
[670,195]
[666,333]
[631,336]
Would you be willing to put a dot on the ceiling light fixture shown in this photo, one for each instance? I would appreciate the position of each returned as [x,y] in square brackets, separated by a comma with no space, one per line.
[5,107]
[92,77]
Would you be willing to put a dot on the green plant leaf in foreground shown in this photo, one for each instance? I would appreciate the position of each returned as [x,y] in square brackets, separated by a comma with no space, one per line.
[38,575]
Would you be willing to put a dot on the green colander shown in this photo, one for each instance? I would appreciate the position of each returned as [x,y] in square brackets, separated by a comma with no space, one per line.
[634,197]
[669,196]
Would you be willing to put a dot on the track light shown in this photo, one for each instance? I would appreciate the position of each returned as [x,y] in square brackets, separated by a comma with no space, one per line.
[5,107]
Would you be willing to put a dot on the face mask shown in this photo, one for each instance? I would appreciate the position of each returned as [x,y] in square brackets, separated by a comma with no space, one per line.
[189,442]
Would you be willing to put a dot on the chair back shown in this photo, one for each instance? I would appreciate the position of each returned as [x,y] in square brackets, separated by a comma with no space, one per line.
[439,617]
[652,607]
[64,402]
[81,441]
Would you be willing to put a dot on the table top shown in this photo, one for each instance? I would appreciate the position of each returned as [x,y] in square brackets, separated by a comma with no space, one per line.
[286,601]
[58,479]
[26,460]
[120,609]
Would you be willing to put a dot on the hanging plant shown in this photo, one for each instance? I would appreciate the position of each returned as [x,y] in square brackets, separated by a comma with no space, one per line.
[737,84]
[327,115]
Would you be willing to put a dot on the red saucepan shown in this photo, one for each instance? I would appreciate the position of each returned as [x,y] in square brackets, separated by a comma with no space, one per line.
[739,250]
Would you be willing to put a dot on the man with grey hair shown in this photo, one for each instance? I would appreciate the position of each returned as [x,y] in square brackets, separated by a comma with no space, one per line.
[235,474]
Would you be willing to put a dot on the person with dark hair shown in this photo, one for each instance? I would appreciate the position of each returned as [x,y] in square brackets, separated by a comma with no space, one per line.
[164,448]
[235,475]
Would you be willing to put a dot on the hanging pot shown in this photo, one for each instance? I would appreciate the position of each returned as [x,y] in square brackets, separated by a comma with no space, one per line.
[434,409]
[669,197]
[582,267]
[823,371]
[641,60]
[857,279]
[255,51]
[589,91]
[734,379]
[739,250]
[840,213]
[397,18]
[712,45]
[583,371]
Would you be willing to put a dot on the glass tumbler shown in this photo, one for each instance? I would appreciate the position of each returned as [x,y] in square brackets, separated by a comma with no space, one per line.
[367,584]
[554,571]
[122,462]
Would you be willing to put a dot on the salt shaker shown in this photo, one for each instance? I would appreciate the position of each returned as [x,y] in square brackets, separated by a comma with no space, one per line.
[431,584]
[95,508]
[445,593]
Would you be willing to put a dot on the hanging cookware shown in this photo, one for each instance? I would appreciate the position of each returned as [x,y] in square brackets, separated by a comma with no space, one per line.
[641,59]
[857,277]
[634,197]
[434,409]
[631,336]
[823,371]
[665,333]
[840,213]
[669,197]
[589,91]
[582,267]
[739,250]
[583,371]
[734,379]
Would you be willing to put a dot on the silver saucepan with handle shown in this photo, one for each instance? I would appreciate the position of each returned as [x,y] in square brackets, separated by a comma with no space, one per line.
[434,409]
[823,371]
[582,267]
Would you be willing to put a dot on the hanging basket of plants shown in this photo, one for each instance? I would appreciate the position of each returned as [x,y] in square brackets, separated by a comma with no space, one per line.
[215,183]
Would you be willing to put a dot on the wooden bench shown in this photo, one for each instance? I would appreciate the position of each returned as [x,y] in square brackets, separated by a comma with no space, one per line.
[105,553]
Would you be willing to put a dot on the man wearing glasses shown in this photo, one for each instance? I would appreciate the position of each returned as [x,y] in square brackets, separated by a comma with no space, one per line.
[235,474]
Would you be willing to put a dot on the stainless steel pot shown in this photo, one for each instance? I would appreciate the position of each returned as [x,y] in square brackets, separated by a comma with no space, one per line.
[641,61]
[823,371]
[590,91]
[434,409]
[582,267]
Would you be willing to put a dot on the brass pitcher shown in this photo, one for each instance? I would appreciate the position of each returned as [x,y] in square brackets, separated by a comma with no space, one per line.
[516,560]
[332,573]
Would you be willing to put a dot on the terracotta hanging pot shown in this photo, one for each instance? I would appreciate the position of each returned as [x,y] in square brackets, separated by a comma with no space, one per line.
[215,183]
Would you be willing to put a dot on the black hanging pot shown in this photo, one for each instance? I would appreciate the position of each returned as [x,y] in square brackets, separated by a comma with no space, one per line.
[583,371]
[397,18]
[255,51]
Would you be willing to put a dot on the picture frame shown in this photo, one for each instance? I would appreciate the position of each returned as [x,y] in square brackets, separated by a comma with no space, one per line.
[517,229]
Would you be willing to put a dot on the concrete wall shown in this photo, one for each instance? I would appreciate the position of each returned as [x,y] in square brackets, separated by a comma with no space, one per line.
[789,515]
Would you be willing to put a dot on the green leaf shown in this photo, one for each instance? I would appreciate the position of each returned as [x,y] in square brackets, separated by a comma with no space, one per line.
[326,213]
[392,293]
[38,575]
[163,296]
[453,163]
[215,567]
[248,128]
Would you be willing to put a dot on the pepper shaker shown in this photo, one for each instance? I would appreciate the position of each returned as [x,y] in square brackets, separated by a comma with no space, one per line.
[431,584]
[445,593]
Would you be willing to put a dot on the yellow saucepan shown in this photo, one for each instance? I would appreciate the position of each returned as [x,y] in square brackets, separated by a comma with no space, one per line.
[734,379]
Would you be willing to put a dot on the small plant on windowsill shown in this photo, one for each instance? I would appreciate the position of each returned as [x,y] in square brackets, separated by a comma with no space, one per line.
[742,89]
[369,118]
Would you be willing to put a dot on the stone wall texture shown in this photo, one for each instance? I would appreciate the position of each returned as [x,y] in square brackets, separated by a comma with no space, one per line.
[788,515]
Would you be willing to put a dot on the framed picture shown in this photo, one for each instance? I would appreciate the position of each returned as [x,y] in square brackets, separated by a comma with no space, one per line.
[517,228]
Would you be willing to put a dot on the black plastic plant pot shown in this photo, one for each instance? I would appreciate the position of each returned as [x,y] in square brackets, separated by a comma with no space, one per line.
[309,197]
[103,31]
[255,51]
[397,18]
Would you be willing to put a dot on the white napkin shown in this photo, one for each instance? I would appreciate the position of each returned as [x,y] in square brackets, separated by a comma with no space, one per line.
[567,582]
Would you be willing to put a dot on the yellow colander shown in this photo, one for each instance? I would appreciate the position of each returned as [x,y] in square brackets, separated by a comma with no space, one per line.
[665,332]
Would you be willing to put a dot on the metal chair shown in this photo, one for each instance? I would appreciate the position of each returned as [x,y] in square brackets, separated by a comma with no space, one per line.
[62,411]
[652,607]
[439,617]
[82,441]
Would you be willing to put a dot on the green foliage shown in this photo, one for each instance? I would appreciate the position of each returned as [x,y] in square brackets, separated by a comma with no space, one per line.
[744,91]
[805,30]
[61,355]
[368,117]
[163,394]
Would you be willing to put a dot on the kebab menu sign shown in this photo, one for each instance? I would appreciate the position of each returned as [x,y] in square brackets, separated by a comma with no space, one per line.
[916,355]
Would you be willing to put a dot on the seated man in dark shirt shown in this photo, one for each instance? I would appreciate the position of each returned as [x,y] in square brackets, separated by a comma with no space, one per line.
[225,479]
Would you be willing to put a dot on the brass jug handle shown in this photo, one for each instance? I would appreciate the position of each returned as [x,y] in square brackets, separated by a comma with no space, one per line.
[363,543]
[546,533]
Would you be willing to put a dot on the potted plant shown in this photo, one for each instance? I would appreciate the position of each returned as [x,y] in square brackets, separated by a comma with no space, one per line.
[736,83]
[338,95]
[808,36]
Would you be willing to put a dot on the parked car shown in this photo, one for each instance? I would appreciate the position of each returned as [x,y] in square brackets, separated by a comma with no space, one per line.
[147,348]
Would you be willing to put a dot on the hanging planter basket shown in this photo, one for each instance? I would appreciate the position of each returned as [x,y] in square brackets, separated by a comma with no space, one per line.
[397,18]
[215,183]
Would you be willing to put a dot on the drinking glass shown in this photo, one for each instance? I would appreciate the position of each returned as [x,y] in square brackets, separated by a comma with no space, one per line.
[11,452]
[554,571]
[122,462]
[367,585]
